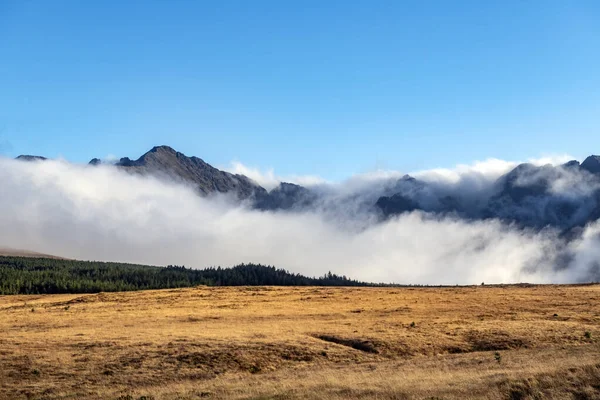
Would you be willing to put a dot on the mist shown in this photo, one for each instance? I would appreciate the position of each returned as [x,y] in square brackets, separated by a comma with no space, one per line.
[103,213]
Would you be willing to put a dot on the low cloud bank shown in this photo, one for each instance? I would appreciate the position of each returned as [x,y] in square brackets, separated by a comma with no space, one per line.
[101,213]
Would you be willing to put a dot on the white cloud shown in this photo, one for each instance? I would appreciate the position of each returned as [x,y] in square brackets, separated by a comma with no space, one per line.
[483,172]
[268,179]
[489,169]
[103,214]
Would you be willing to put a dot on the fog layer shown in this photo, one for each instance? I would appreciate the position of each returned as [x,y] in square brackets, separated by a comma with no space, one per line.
[101,213]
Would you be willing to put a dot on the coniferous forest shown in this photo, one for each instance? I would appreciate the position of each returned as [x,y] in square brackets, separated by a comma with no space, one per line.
[19,275]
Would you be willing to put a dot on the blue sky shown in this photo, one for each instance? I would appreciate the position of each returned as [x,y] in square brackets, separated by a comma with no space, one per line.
[327,88]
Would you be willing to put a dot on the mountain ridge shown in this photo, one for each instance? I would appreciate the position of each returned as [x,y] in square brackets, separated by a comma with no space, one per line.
[206,179]
[526,195]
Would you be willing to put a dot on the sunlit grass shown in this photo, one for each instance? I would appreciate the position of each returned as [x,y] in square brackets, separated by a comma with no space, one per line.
[332,343]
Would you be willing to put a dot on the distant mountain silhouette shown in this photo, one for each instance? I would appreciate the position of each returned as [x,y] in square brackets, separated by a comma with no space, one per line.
[564,196]
[591,164]
[163,160]
[287,196]
[24,157]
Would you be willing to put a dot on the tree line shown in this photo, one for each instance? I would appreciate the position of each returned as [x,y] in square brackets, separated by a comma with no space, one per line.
[19,275]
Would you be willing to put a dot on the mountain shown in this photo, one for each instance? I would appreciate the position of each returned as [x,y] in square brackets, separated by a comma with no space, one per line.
[287,196]
[591,164]
[24,157]
[409,194]
[564,196]
[165,161]
[527,198]
[396,204]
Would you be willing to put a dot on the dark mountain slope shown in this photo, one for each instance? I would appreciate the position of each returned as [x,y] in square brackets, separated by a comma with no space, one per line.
[287,196]
[591,164]
[163,160]
[564,196]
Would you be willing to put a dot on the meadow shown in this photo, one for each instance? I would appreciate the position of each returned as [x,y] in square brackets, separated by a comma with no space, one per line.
[478,342]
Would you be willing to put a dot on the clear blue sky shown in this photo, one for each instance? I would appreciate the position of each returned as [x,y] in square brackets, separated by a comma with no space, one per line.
[307,87]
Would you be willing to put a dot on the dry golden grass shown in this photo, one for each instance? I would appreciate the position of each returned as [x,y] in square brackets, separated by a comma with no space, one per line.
[305,343]
[26,253]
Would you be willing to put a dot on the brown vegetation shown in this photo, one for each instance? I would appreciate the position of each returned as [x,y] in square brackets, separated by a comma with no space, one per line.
[8,252]
[304,343]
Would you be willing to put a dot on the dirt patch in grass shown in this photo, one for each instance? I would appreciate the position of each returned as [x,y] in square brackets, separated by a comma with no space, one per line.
[368,346]
[252,358]
[495,340]
[489,341]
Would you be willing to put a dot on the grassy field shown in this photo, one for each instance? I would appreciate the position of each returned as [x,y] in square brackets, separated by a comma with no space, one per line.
[514,342]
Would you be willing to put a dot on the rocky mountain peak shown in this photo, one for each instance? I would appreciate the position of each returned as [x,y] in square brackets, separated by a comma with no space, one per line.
[571,164]
[166,161]
[591,164]
[161,151]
